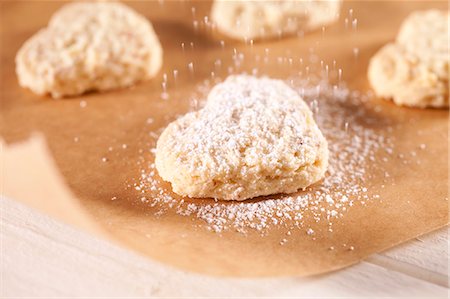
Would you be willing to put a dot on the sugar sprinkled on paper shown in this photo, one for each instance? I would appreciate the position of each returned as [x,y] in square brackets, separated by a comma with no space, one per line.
[344,185]
[83,104]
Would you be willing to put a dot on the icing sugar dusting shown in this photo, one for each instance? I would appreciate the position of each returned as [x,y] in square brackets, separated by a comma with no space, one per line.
[353,145]
[250,130]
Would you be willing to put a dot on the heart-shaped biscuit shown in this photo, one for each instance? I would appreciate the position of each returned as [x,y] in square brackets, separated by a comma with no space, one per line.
[89,46]
[254,137]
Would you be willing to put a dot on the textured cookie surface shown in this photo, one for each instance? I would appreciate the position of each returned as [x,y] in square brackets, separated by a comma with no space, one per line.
[414,70]
[243,19]
[89,46]
[253,137]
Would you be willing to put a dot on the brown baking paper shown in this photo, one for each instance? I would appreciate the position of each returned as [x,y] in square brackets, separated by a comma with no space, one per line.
[85,137]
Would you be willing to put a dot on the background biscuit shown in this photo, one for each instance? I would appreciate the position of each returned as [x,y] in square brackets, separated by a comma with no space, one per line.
[89,46]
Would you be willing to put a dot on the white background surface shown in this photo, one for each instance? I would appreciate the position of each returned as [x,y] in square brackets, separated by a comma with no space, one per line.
[44,258]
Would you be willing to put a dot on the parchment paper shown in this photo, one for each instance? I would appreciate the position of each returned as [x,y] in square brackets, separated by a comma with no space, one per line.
[413,201]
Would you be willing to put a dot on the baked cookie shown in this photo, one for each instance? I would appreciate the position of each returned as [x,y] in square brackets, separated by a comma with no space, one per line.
[243,19]
[254,137]
[89,46]
[414,70]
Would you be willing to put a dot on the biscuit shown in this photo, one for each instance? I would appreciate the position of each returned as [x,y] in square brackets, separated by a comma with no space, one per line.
[254,137]
[247,20]
[89,46]
[414,70]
